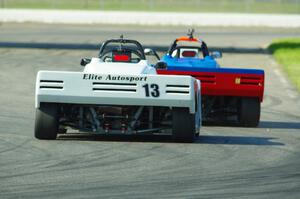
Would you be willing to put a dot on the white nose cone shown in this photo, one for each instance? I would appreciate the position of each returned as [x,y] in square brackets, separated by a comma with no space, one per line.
[121,68]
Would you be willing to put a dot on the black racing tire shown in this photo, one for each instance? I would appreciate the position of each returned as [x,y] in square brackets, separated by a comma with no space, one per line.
[183,125]
[249,112]
[46,121]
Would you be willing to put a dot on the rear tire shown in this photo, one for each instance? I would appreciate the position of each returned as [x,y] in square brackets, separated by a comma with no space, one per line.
[183,125]
[46,122]
[249,112]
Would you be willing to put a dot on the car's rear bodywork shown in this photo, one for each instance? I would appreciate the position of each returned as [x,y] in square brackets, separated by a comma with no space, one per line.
[225,81]
[113,89]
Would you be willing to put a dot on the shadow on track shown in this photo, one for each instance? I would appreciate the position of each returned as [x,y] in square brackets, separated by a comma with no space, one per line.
[203,139]
[238,140]
[159,48]
[262,124]
[112,138]
[279,125]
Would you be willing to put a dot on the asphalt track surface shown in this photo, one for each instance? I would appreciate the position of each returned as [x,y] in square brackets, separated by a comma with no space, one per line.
[225,162]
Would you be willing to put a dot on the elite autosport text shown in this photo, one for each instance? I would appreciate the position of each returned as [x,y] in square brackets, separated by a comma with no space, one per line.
[114,78]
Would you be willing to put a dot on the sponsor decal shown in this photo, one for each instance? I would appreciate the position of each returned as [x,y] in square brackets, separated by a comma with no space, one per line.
[114,78]
[92,77]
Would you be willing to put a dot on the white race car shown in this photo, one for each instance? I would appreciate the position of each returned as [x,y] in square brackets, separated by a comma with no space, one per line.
[119,92]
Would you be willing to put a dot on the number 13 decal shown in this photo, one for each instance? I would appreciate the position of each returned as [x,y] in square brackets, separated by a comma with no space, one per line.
[151,90]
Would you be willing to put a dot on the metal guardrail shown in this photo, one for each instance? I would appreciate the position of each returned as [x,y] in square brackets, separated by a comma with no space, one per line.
[241,6]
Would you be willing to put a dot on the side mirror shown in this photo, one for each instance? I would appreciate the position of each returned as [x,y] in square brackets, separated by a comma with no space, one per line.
[216,55]
[149,51]
[161,65]
[85,61]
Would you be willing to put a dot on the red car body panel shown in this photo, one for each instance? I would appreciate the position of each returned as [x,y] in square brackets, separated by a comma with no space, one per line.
[226,84]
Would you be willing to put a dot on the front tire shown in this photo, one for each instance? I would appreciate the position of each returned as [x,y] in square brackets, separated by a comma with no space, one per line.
[46,122]
[249,112]
[183,125]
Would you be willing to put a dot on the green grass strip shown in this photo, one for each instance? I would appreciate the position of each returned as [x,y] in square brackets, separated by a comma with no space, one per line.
[287,54]
[250,6]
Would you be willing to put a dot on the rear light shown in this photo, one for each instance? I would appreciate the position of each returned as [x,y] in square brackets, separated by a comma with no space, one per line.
[121,58]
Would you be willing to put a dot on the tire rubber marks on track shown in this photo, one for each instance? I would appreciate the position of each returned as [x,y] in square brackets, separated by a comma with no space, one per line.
[281,78]
[285,84]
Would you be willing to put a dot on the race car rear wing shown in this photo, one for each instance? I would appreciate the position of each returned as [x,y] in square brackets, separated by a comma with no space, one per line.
[106,89]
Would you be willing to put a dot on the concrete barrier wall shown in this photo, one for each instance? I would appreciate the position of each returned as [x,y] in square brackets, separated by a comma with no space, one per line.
[149,18]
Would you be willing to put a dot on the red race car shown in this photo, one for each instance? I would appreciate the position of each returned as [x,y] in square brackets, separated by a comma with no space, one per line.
[228,94]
